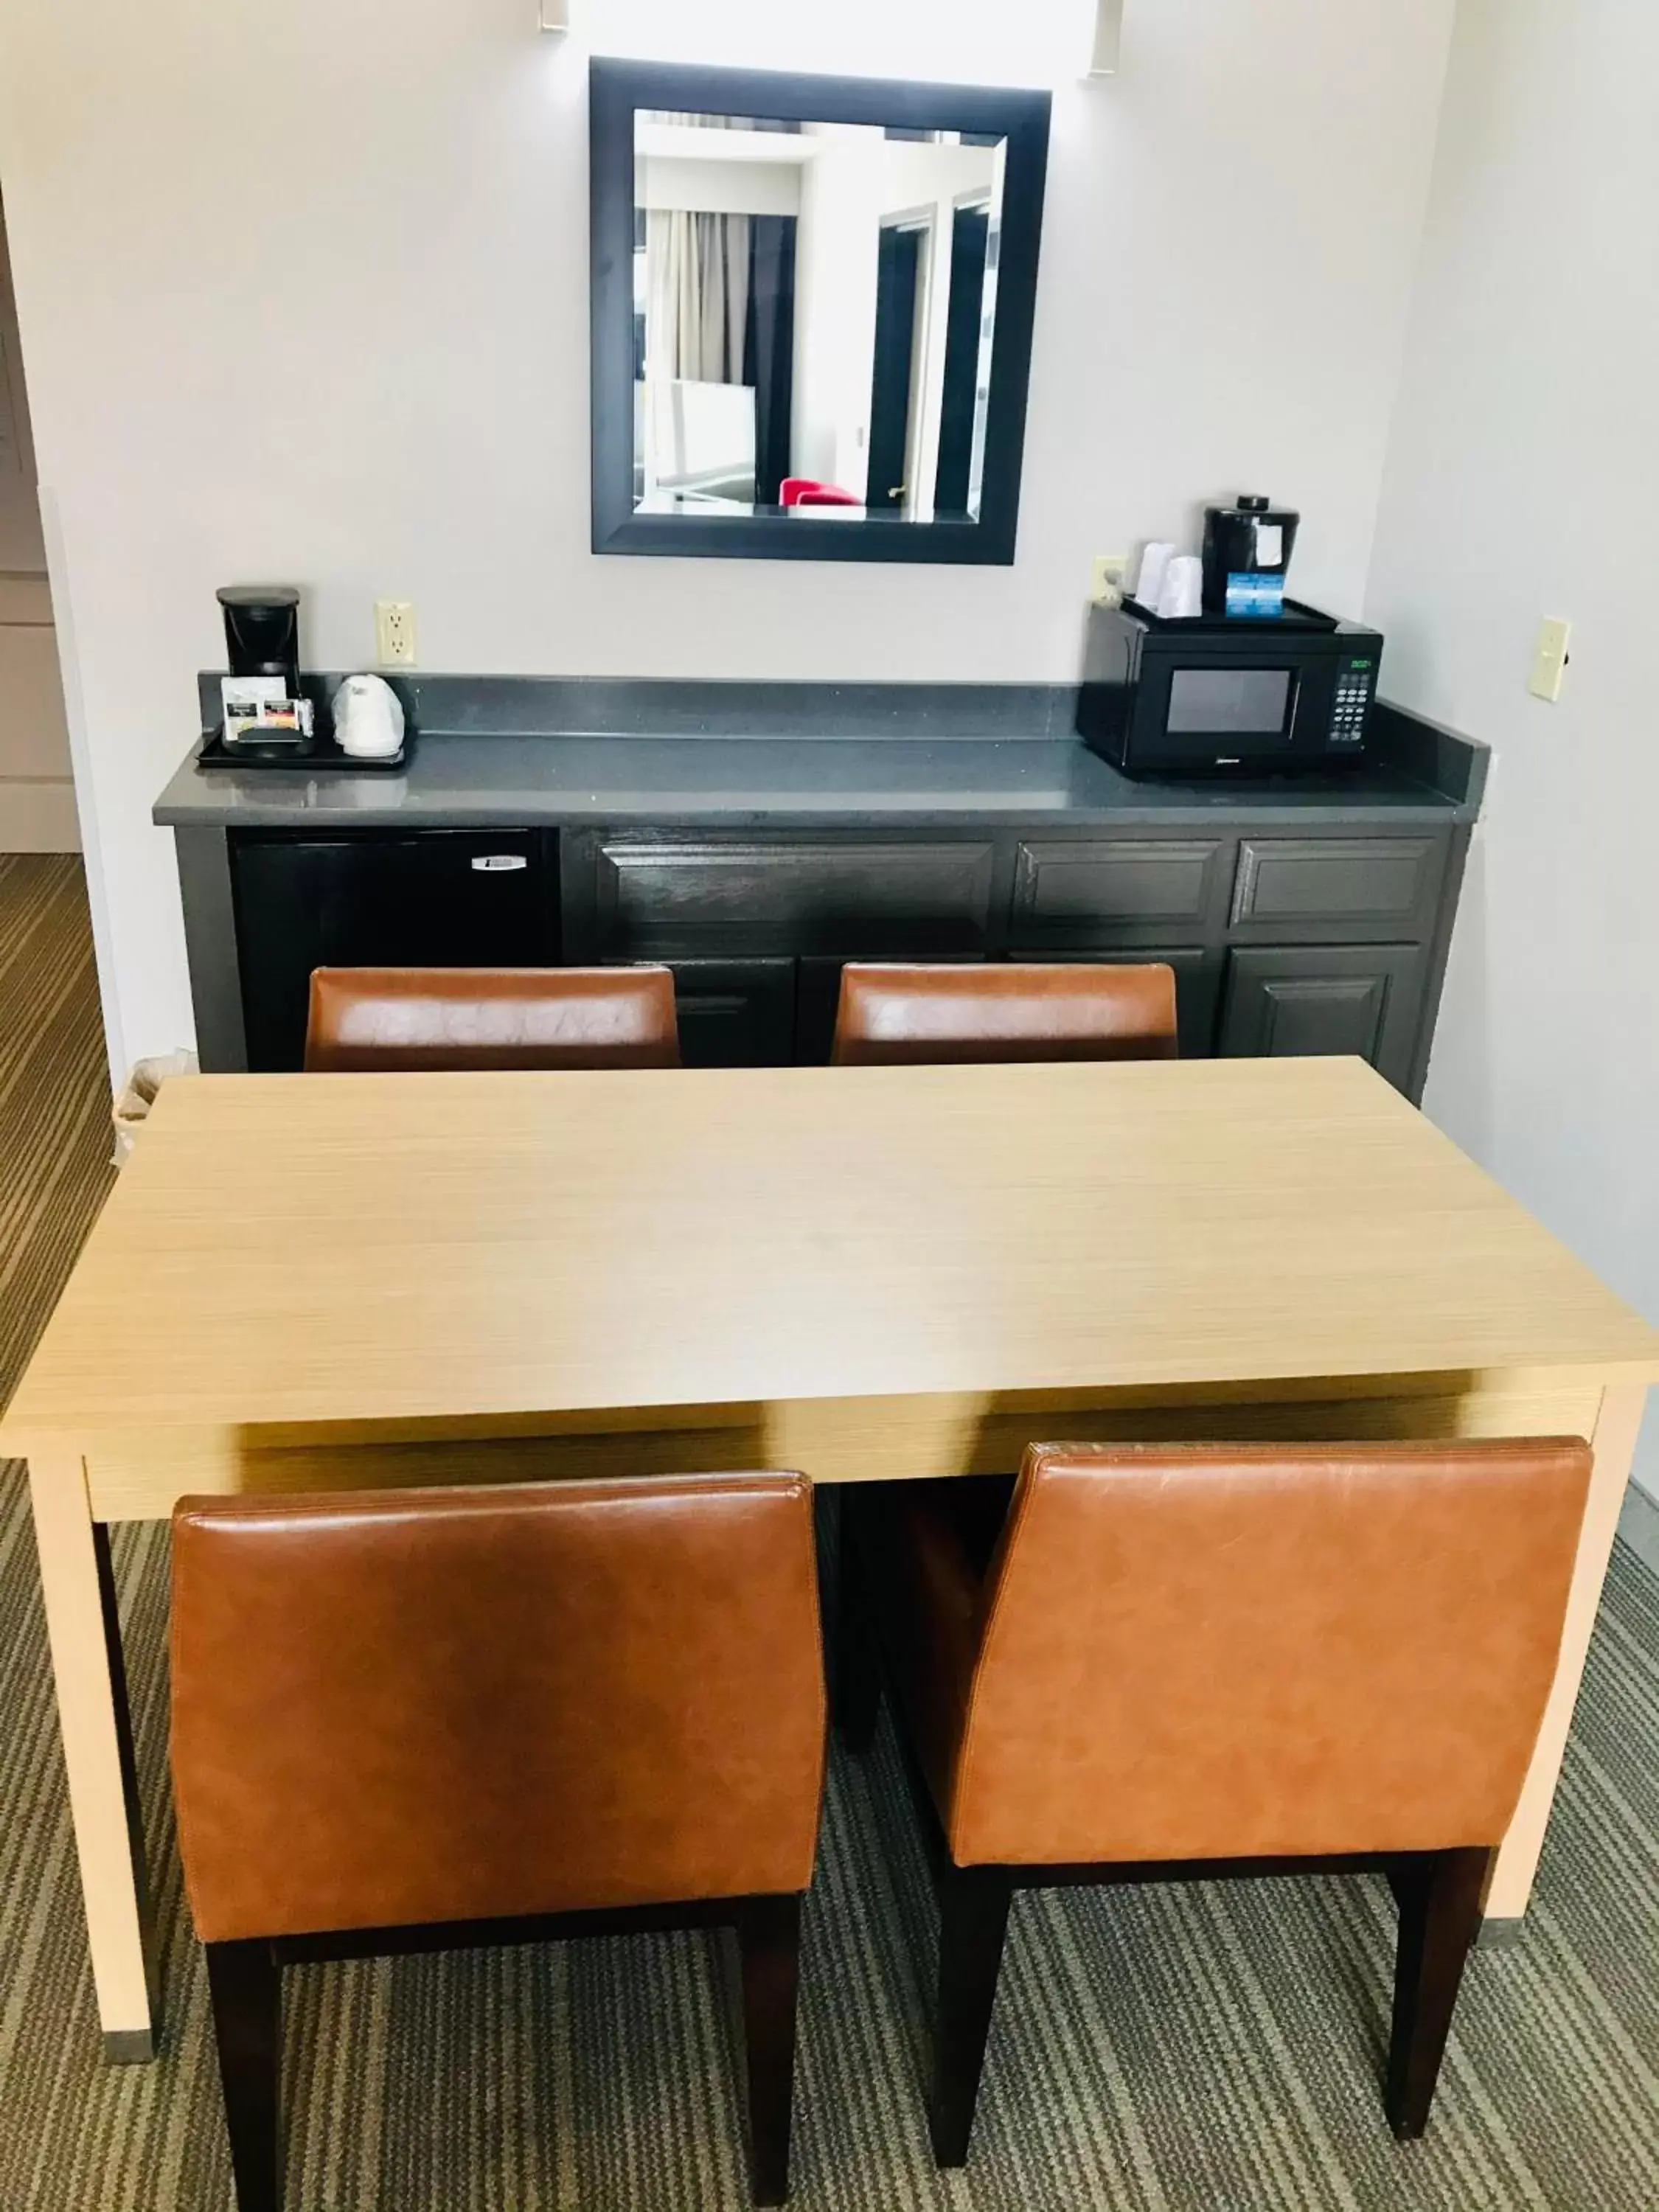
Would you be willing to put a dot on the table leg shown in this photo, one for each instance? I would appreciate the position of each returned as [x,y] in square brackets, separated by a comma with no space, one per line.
[79,1591]
[1614,1443]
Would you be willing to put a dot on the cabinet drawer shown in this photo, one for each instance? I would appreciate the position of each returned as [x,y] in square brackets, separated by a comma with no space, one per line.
[1062,886]
[654,895]
[1386,883]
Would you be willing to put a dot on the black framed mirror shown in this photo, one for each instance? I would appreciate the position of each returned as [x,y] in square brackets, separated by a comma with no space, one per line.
[812,301]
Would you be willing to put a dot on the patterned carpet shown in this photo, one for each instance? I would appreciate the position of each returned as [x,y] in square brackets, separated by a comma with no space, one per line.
[1197,2051]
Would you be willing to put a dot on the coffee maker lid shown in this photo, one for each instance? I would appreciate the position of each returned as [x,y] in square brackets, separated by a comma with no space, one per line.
[258,595]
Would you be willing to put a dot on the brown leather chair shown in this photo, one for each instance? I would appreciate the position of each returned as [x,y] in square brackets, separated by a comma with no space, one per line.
[1003,1011]
[424,1720]
[374,1018]
[1184,1663]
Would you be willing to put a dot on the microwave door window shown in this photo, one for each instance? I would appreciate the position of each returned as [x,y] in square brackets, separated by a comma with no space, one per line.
[1231,703]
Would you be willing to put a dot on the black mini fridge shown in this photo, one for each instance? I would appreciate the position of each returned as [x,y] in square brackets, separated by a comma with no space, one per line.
[438,898]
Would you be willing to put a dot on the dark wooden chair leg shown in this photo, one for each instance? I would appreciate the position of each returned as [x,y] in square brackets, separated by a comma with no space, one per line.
[245,1984]
[768,1945]
[857,1671]
[974,1905]
[1439,1919]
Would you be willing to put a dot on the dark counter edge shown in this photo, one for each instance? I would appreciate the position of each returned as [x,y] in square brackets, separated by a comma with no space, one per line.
[1450,770]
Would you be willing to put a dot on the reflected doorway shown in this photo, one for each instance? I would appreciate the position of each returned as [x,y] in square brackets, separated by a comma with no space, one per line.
[898,318]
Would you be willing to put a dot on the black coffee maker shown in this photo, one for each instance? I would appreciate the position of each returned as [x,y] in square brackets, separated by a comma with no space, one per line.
[262,631]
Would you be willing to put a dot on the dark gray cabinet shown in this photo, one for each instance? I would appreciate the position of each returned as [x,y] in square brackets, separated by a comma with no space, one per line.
[1282,942]
[1297,999]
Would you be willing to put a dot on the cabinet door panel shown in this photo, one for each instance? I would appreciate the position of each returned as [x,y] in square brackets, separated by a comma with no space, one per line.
[1360,998]
[1383,883]
[735,1013]
[379,902]
[1198,989]
[661,895]
[1068,886]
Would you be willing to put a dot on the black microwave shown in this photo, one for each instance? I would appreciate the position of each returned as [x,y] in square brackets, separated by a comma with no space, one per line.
[1208,694]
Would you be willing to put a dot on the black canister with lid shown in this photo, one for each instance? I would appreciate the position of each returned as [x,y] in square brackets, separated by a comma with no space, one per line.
[1246,553]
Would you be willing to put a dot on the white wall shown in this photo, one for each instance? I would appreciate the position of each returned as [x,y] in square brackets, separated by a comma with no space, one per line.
[717,188]
[1523,481]
[303,295]
[835,265]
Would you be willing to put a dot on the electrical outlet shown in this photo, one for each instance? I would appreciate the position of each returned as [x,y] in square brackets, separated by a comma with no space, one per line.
[1106,578]
[394,632]
[1549,662]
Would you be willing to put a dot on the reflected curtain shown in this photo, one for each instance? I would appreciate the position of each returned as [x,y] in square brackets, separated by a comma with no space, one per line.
[696,319]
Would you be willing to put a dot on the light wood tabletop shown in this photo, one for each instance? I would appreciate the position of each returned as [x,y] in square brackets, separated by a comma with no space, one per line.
[305,1256]
[317,1282]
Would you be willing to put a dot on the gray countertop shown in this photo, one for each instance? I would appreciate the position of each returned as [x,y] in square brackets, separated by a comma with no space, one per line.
[497,782]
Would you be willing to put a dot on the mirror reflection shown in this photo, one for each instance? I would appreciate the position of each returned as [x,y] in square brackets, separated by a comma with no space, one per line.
[813,311]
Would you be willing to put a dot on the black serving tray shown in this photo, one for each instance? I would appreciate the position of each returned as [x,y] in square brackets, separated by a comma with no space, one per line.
[321,757]
[1299,618]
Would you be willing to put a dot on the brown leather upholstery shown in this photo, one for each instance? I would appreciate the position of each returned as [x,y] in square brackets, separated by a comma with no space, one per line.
[1229,1651]
[1003,1011]
[369,1018]
[392,1708]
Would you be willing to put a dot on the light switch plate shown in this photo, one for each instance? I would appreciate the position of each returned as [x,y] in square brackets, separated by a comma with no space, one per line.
[1549,664]
[394,632]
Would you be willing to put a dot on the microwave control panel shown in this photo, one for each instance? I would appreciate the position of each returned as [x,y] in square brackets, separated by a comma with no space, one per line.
[1355,684]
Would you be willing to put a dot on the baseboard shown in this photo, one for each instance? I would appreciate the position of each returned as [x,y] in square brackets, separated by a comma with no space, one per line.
[1638,1525]
[37,816]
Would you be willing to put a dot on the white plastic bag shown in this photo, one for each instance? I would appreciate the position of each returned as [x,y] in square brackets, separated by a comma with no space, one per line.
[137,1095]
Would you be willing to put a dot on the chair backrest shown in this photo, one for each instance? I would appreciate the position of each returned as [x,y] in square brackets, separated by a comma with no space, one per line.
[392,1708]
[1236,1651]
[1003,1011]
[372,1018]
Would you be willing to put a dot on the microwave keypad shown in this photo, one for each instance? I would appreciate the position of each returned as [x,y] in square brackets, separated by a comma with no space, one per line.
[1353,698]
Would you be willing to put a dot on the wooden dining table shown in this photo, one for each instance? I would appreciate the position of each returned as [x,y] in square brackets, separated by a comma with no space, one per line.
[307,1283]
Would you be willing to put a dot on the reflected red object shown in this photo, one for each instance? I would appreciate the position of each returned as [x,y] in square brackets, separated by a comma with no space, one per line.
[802,491]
